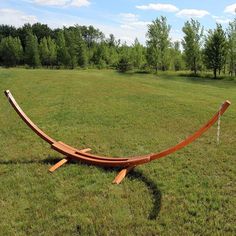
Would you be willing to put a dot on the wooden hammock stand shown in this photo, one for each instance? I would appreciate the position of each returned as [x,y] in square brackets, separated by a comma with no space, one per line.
[126,163]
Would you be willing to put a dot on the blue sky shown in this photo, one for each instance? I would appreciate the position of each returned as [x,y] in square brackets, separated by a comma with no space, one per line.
[126,19]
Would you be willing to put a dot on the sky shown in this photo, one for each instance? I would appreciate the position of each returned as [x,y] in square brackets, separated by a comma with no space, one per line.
[126,19]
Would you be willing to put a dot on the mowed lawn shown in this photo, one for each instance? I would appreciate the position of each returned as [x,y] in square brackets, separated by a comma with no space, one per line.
[191,192]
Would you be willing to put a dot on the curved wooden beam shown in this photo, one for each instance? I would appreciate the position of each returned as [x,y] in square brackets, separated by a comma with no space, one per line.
[27,120]
[111,161]
[194,136]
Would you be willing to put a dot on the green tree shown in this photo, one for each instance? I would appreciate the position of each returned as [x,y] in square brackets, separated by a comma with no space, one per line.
[215,50]
[6,31]
[41,31]
[48,51]
[72,38]
[63,57]
[91,35]
[232,47]
[44,52]
[52,47]
[113,46]
[11,51]
[192,43]
[101,55]
[176,59]
[82,54]
[158,43]
[22,33]
[125,62]
[138,55]
[31,50]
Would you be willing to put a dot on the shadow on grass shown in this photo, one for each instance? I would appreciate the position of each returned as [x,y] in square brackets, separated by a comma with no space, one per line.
[135,174]
[153,189]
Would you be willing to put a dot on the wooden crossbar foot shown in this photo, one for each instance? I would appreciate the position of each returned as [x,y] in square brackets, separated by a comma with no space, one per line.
[121,175]
[63,161]
[58,164]
[86,150]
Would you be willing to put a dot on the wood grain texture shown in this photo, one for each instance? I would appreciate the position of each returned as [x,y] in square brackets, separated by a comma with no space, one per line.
[121,175]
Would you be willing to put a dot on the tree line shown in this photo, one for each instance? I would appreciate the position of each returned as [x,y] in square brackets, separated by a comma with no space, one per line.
[85,46]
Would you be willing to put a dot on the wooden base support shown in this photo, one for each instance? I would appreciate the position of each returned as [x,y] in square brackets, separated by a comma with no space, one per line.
[58,164]
[121,175]
[63,161]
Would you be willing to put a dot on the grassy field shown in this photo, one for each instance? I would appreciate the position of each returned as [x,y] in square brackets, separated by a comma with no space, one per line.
[191,192]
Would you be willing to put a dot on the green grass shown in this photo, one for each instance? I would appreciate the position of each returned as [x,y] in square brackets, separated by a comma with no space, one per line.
[191,192]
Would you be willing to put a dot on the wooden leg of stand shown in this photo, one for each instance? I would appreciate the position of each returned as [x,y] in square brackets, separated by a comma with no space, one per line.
[58,164]
[63,161]
[86,150]
[122,174]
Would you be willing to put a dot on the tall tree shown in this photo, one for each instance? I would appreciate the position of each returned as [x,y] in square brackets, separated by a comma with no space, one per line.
[215,49]
[22,33]
[91,35]
[48,51]
[101,55]
[82,54]
[31,50]
[138,54]
[52,47]
[113,46]
[63,57]
[41,30]
[11,51]
[232,47]
[176,59]
[124,63]
[192,43]
[44,52]
[6,30]
[158,43]
[72,39]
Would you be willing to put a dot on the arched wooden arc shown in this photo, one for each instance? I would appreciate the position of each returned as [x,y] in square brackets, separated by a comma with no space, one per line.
[127,163]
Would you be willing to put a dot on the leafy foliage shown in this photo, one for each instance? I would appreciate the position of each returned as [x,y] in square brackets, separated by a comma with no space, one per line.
[232,47]
[216,49]
[124,64]
[158,43]
[87,47]
[31,50]
[11,51]
[192,42]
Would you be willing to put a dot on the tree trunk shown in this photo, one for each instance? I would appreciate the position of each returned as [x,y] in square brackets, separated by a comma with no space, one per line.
[194,66]
[214,73]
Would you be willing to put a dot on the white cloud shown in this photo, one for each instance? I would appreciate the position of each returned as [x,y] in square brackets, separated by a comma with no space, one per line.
[80,3]
[63,3]
[15,17]
[130,27]
[176,35]
[131,21]
[50,2]
[129,17]
[158,7]
[231,9]
[221,19]
[192,13]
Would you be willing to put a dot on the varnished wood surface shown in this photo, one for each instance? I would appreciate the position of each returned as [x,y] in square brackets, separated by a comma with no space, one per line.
[110,161]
